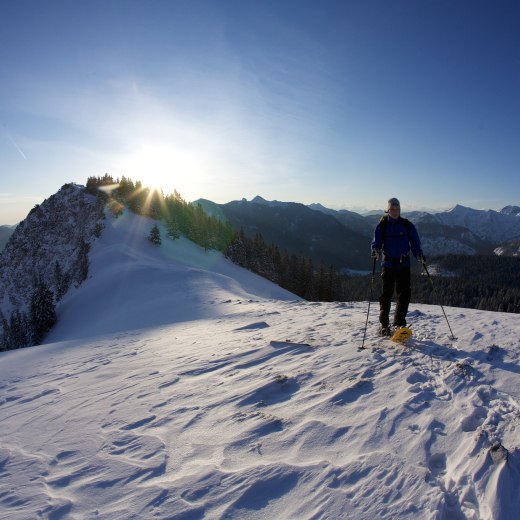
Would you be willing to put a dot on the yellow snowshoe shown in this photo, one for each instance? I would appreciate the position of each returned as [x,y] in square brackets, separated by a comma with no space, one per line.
[401,335]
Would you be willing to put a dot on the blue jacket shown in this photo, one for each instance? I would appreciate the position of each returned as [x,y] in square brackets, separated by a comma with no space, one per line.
[395,239]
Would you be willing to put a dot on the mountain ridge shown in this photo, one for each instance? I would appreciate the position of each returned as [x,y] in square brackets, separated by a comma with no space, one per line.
[459,230]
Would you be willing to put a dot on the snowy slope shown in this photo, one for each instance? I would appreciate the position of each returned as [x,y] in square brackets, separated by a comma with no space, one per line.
[180,386]
[134,284]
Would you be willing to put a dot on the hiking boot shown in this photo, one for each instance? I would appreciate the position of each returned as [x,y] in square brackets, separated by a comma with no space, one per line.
[385,330]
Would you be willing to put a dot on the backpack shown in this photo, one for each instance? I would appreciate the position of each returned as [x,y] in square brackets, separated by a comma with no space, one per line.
[384,223]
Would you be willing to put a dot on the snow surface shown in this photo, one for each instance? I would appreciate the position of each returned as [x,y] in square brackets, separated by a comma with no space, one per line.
[180,386]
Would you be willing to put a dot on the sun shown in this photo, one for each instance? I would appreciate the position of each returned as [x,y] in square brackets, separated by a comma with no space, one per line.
[162,167]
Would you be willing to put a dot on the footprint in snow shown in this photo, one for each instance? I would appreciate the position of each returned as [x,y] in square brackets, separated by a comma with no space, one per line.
[416,377]
[495,353]
[474,419]
[476,337]
[437,463]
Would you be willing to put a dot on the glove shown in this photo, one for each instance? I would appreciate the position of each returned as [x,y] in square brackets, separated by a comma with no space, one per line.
[421,257]
[376,253]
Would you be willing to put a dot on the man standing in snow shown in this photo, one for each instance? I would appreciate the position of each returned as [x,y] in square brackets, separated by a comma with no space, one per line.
[394,238]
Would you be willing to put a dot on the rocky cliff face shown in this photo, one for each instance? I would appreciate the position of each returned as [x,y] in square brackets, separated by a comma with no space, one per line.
[50,245]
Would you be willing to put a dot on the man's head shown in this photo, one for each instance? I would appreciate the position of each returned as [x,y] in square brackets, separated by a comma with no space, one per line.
[394,208]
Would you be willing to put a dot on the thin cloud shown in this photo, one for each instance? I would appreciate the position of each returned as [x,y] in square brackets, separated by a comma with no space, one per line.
[10,138]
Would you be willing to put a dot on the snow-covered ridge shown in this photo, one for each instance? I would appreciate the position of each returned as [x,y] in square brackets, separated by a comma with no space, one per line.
[135,284]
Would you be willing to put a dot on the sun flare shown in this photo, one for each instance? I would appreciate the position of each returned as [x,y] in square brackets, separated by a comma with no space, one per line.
[163,168]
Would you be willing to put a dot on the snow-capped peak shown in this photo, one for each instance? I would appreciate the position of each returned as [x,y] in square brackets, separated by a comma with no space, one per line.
[511,210]
[488,225]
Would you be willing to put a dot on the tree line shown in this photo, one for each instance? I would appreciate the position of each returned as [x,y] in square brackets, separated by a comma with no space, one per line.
[477,282]
[28,328]
[24,329]
[296,273]
[179,216]
[489,283]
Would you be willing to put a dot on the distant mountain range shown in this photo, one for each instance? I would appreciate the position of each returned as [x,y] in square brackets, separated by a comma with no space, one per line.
[5,235]
[342,238]
[297,227]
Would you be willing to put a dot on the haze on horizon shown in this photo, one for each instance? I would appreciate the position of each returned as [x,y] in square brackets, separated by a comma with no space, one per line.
[343,103]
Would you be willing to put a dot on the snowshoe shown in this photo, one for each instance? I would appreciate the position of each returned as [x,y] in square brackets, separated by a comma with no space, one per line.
[401,335]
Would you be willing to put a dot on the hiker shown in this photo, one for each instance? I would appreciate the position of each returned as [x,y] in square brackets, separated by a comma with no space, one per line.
[394,237]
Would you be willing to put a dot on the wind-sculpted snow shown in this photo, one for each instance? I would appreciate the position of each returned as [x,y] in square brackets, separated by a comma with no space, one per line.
[269,411]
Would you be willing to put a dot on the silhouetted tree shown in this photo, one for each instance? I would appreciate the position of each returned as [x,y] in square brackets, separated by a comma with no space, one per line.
[155,236]
[61,281]
[172,227]
[42,312]
[82,263]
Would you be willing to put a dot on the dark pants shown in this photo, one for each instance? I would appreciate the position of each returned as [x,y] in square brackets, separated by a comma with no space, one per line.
[400,280]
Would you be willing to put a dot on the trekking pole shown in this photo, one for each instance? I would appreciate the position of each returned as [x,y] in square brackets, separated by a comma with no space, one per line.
[433,287]
[371,298]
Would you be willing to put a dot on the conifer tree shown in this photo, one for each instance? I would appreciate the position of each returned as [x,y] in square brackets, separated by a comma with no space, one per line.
[237,250]
[172,227]
[82,263]
[42,312]
[19,333]
[3,337]
[155,236]
[61,281]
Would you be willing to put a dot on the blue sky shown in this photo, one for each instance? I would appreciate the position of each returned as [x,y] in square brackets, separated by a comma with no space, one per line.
[346,103]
